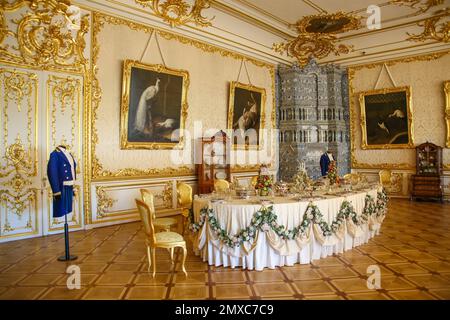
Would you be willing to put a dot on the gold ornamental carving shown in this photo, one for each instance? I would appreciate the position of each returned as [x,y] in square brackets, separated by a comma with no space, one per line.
[17,196]
[167,195]
[447,114]
[43,36]
[421,6]
[104,202]
[98,171]
[19,89]
[317,37]
[179,12]
[435,28]
[65,93]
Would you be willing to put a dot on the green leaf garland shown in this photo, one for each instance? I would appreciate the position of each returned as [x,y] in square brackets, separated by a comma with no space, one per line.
[265,219]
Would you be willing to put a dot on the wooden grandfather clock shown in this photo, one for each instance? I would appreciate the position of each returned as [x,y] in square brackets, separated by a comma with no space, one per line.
[215,161]
[427,182]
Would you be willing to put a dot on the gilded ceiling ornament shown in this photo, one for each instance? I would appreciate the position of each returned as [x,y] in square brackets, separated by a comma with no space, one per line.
[421,5]
[434,29]
[43,36]
[317,36]
[179,12]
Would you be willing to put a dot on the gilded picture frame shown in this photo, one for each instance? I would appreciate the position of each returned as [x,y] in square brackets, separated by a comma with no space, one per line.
[387,119]
[246,110]
[153,107]
[447,111]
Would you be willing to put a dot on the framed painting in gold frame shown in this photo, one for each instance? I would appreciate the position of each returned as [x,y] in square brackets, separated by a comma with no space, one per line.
[154,106]
[386,119]
[447,111]
[246,115]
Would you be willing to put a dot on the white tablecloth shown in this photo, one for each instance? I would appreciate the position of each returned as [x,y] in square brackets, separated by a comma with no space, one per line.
[268,250]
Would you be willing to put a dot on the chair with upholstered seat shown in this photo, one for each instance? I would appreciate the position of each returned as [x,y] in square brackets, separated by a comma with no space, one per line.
[166,240]
[159,223]
[184,200]
[221,185]
[389,181]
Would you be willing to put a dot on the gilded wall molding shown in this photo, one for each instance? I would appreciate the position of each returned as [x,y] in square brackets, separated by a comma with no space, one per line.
[104,202]
[354,121]
[42,38]
[17,196]
[20,89]
[175,12]
[98,171]
[63,95]
[447,114]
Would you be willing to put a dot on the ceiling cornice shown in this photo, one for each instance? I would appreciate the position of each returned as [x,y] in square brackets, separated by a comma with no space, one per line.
[392,27]
[285,34]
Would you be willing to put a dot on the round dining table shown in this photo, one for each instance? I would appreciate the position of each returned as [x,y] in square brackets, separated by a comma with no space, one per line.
[268,248]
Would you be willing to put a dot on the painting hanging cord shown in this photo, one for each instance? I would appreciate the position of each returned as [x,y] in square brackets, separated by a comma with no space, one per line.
[148,44]
[384,66]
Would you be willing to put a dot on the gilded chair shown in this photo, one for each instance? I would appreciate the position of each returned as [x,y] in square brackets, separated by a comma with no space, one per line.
[221,185]
[385,177]
[184,199]
[391,182]
[354,178]
[166,240]
[160,223]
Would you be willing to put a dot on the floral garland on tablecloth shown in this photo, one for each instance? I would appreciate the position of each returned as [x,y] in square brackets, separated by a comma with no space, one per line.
[265,219]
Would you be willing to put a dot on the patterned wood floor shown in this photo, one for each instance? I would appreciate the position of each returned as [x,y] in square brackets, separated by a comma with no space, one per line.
[413,253]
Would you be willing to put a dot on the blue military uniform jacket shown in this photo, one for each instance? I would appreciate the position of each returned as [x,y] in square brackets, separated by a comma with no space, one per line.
[324,163]
[59,172]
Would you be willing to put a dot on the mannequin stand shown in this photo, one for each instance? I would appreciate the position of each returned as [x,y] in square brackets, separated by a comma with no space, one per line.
[67,256]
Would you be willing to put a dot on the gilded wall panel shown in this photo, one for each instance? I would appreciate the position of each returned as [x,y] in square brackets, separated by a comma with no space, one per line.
[64,107]
[425,75]
[210,70]
[19,180]
[115,202]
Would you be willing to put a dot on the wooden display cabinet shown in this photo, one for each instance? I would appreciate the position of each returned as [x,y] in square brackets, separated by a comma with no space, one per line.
[214,163]
[427,182]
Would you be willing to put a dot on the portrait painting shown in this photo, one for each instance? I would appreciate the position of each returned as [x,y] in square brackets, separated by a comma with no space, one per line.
[154,106]
[386,118]
[246,114]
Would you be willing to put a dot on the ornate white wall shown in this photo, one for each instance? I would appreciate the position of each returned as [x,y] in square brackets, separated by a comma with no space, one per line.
[425,75]
[109,178]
